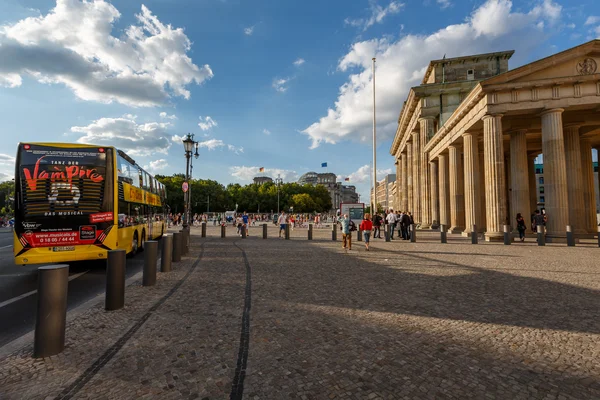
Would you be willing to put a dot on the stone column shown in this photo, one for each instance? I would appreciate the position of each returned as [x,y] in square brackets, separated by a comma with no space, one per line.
[481,227]
[435,203]
[409,181]
[426,131]
[495,201]
[472,185]
[555,175]
[444,190]
[575,185]
[457,197]
[404,194]
[589,192]
[532,184]
[519,173]
[417,201]
[398,182]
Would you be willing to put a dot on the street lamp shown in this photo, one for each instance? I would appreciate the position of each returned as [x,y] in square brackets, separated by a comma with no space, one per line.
[278,181]
[188,145]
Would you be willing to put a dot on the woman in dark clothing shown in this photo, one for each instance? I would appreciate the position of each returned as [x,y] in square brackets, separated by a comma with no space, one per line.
[521,227]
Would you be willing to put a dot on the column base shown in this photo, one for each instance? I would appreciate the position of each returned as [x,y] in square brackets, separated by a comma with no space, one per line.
[495,237]
[456,229]
[425,226]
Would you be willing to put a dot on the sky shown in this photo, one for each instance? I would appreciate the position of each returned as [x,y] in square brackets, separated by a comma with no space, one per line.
[280,84]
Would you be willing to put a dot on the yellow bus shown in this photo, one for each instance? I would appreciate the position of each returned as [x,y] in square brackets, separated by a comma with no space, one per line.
[75,202]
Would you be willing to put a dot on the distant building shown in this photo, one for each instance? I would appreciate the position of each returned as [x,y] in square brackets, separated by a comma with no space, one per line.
[386,192]
[262,180]
[338,192]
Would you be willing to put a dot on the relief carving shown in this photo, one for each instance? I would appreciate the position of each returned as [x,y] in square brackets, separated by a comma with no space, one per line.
[587,66]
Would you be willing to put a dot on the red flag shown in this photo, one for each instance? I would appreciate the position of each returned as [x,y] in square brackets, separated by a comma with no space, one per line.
[262,169]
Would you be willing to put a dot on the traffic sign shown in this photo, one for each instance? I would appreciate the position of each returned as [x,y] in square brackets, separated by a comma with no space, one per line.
[184,187]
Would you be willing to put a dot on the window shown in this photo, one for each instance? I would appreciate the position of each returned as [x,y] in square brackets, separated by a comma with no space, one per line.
[541,189]
[542,199]
[539,170]
[470,74]
[541,180]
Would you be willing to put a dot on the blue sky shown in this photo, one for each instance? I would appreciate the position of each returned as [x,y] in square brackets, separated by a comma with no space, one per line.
[280,84]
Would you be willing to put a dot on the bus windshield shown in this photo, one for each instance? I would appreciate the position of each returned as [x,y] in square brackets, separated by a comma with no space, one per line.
[64,194]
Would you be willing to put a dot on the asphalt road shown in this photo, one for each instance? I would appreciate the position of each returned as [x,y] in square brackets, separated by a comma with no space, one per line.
[18,317]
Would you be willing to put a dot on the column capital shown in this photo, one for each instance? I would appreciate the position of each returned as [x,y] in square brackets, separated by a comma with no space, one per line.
[573,125]
[517,131]
[552,111]
[487,116]
[470,133]
[429,118]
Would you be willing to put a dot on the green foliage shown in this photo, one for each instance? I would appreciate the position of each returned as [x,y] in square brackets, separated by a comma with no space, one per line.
[7,192]
[251,198]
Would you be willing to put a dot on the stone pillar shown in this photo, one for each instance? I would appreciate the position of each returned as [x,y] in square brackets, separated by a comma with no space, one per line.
[398,182]
[457,197]
[416,177]
[409,181]
[481,226]
[426,132]
[404,194]
[555,175]
[589,192]
[472,185]
[435,203]
[495,201]
[532,184]
[444,189]
[519,182]
[575,185]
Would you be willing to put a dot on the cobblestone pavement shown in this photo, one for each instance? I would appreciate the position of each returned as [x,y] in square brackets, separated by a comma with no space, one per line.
[403,321]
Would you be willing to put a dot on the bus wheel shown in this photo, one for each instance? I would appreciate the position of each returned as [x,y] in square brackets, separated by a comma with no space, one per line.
[134,243]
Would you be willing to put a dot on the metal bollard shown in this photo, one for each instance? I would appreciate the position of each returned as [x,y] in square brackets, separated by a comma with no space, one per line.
[310,231]
[387,233]
[176,247]
[359,235]
[598,236]
[334,232]
[287,231]
[413,233]
[243,232]
[115,280]
[204,229]
[150,257]
[570,237]
[167,253]
[474,235]
[541,239]
[443,234]
[507,238]
[51,318]
[264,231]
[222,231]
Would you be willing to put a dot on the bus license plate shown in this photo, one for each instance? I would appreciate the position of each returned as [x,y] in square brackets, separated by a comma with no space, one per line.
[64,248]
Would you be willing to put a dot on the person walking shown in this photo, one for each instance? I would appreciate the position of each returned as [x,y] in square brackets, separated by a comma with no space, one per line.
[391,220]
[366,226]
[521,226]
[404,223]
[346,233]
[377,226]
[245,220]
[282,222]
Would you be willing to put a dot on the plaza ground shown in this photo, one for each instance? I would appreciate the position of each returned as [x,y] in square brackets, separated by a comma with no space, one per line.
[406,320]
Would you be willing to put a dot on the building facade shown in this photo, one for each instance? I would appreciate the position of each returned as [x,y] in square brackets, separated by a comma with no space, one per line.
[339,193]
[385,192]
[471,164]
[260,180]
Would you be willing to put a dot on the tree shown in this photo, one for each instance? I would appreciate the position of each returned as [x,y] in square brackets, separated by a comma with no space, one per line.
[303,203]
[7,195]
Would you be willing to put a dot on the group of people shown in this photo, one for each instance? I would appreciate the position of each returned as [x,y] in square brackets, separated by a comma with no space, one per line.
[538,218]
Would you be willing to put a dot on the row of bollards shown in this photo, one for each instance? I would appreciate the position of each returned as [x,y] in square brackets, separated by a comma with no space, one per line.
[53,282]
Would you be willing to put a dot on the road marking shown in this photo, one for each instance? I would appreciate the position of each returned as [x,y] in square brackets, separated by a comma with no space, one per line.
[3,247]
[10,301]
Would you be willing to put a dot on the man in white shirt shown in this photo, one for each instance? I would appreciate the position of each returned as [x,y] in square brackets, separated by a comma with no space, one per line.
[281,221]
[391,219]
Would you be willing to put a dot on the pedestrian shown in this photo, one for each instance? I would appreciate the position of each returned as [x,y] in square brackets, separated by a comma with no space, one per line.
[366,226]
[346,233]
[521,227]
[245,221]
[281,221]
[377,226]
[404,223]
[391,220]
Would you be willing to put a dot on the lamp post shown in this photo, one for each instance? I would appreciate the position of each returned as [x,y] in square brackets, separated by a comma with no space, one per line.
[278,181]
[188,145]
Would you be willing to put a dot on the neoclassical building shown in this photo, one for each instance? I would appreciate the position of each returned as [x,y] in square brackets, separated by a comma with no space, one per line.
[468,136]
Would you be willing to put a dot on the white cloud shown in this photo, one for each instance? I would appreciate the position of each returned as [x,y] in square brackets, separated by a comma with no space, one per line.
[299,62]
[207,123]
[280,84]
[73,45]
[491,27]
[363,175]
[5,177]
[6,159]
[235,149]
[378,13]
[164,115]
[249,30]
[592,20]
[571,26]
[157,165]
[266,131]
[444,3]
[135,139]
[7,163]
[212,144]
[246,174]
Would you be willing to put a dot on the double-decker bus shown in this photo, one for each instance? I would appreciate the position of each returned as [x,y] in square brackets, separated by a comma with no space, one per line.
[75,202]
